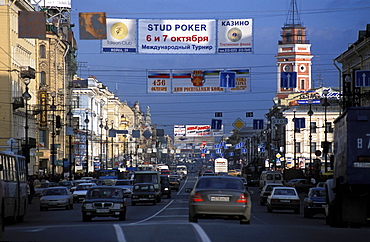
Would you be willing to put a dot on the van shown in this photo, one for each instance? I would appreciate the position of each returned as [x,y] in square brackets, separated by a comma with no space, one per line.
[270,177]
[150,177]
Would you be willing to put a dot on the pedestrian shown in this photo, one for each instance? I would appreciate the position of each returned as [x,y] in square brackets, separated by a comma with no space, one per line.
[30,191]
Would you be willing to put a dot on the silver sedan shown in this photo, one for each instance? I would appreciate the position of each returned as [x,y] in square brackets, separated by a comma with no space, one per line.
[219,197]
[56,197]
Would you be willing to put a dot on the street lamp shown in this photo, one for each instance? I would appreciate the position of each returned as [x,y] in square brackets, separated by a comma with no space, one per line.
[106,142]
[112,156]
[87,141]
[26,96]
[294,140]
[101,126]
[326,144]
[53,107]
[310,113]
[70,133]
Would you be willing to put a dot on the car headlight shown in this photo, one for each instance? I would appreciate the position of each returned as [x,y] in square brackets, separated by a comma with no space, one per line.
[166,189]
[87,205]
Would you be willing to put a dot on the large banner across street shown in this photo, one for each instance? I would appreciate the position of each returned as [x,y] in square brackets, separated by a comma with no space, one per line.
[196,81]
[179,36]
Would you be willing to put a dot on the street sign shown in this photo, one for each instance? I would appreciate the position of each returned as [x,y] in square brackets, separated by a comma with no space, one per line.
[257,123]
[227,79]
[249,114]
[362,78]
[239,124]
[288,79]
[299,123]
[216,124]
[279,121]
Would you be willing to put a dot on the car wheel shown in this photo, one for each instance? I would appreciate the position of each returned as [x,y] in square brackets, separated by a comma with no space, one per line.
[71,205]
[193,219]
[297,211]
[122,216]
[261,202]
[86,218]
[169,196]
[244,221]
[154,203]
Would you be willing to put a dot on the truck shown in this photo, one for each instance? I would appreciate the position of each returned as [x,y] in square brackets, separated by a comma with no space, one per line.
[221,165]
[348,194]
[150,177]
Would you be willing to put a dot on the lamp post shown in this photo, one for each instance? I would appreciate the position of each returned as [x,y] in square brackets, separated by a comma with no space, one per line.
[310,113]
[326,145]
[294,140]
[101,126]
[53,107]
[87,141]
[70,157]
[112,154]
[106,142]
[26,149]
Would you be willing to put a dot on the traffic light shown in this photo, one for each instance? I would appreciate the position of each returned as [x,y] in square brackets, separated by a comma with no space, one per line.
[58,124]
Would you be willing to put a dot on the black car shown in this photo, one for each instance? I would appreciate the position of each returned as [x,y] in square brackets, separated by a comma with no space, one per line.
[174,183]
[143,193]
[165,186]
[104,201]
[314,203]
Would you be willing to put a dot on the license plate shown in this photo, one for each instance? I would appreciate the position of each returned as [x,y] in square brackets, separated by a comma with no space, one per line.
[219,199]
[53,204]
[102,210]
[285,201]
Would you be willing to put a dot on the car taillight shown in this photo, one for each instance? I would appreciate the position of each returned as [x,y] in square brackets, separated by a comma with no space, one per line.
[197,197]
[242,199]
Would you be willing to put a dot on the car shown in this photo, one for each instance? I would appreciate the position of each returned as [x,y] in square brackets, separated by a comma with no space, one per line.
[219,197]
[301,185]
[174,183]
[67,184]
[143,193]
[79,193]
[104,201]
[315,202]
[56,197]
[165,186]
[126,184]
[208,173]
[283,198]
[166,172]
[266,191]
[40,188]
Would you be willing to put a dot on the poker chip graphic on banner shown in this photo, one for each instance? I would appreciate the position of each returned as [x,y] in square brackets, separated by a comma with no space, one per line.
[234,34]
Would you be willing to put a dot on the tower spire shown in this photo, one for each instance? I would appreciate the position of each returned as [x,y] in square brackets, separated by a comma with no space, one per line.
[293,19]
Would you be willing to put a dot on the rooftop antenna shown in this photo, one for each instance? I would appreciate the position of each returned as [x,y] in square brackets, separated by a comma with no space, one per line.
[293,19]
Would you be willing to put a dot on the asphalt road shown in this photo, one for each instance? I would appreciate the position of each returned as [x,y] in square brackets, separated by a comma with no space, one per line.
[168,221]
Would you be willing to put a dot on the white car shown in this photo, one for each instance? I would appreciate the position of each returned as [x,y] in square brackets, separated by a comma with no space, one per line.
[79,193]
[284,198]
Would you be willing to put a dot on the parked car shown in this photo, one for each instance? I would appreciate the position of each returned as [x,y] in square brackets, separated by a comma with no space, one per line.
[143,193]
[79,193]
[104,201]
[56,197]
[301,185]
[219,197]
[315,202]
[127,185]
[165,186]
[266,191]
[284,198]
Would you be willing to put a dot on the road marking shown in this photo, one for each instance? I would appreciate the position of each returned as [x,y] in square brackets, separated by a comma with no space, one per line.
[183,185]
[119,233]
[203,236]
[153,214]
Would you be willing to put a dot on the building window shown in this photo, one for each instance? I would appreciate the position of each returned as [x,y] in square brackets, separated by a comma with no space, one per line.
[42,78]
[313,127]
[313,147]
[42,51]
[297,147]
[42,139]
[329,128]
[302,84]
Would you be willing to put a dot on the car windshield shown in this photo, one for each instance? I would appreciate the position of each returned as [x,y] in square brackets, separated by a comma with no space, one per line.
[104,193]
[270,187]
[220,184]
[48,192]
[123,183]
[144,188]
[285,192]
[82,187]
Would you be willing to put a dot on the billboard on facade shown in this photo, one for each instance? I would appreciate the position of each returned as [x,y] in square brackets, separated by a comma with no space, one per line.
[53,3]
[235,36]
[195,81]
[181,36]
[121,36]
[198,130]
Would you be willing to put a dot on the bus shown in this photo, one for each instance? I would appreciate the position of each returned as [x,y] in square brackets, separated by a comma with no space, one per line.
[13,187]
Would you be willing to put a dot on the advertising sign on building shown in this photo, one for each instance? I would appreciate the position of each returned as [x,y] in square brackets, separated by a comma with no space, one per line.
[53,3]
[121,36]
[235,35]
[159,81]
[198,130]
[181,36]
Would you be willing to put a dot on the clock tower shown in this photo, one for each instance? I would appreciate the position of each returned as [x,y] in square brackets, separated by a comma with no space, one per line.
[294,56]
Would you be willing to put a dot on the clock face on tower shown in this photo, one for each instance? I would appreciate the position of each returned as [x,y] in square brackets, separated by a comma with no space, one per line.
[302,68]
[286,68]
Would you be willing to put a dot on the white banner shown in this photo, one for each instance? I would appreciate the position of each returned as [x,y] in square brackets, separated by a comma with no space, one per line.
[198,130]
[183,36]
[235,35]
[121,36]
[53,3]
